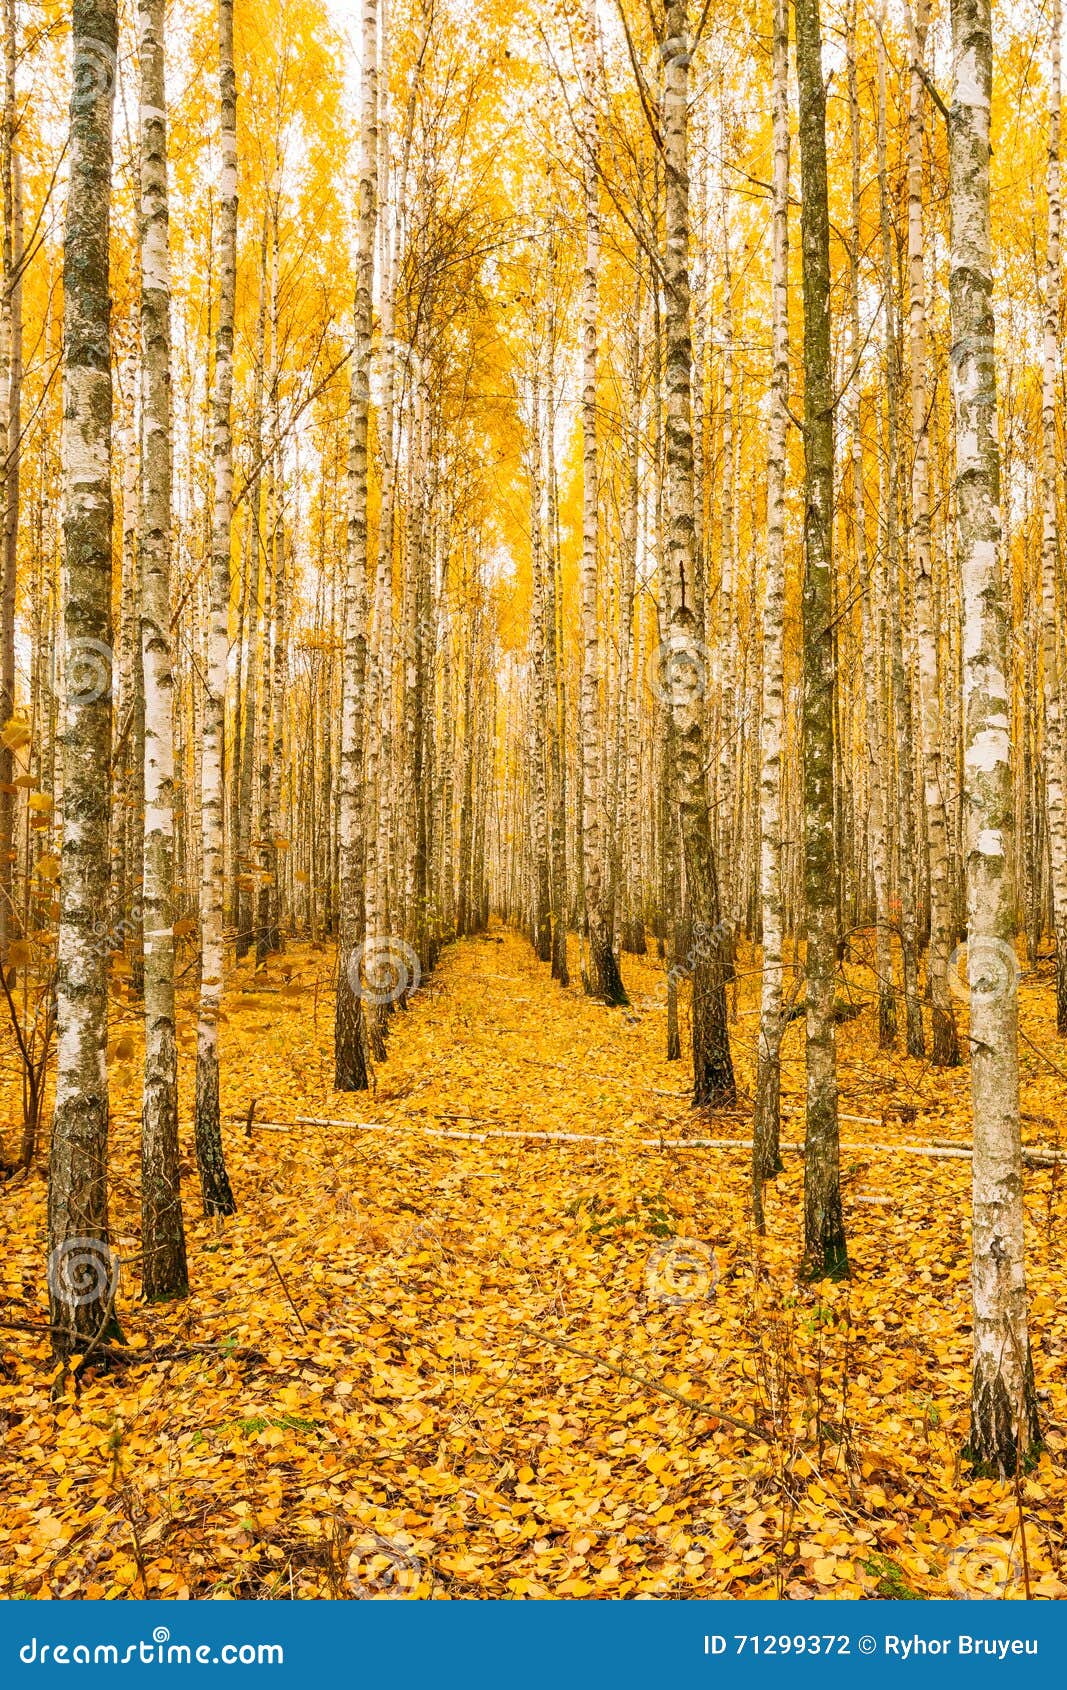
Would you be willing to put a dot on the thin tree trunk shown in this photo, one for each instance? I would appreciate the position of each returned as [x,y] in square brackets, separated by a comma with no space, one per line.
[214,1182]
[81,1266]
[164,1271]
[557,736]
[602,978]
[945,1045]
[267,887]
[1004,1424]
[871,599]
[766,1159]
[350,1059]
[10,439]
[1054,771]
[713,1075]
[539,844]
[899,679]
[825,1252]
[254,666]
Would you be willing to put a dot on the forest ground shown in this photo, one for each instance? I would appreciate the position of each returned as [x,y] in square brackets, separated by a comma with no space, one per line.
[418,1364]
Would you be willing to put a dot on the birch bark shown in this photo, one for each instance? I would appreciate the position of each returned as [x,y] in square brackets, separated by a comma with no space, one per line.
[1004,1425]
[81,1266]
[766,1159]
[164,1272]
[11,439]
[350,1059]
[214,1182]
[944,1043]
[602,974]
[824,1232]
[713,1077]
[1055,802]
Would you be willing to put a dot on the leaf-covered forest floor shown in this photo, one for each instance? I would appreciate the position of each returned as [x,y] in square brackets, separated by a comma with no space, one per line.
[419,1363]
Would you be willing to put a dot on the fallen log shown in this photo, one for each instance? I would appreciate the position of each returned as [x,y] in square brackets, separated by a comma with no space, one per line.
[1034,1155]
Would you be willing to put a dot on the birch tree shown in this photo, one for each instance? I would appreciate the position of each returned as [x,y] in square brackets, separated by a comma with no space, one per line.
[81,1266]
[871,596]
[1055,802]
[1004,1426]
[713,1076]
[891,582]
[824,1231]
[11,444]
[766,1159]
[215,1186]
[603,979]
[350,1059]
[944,1043]
[162,1228]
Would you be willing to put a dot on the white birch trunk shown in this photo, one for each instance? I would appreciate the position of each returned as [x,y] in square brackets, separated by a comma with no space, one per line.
[214,1183]
[350,1057]
[164,1272]
[766,1159]
[713,1078]
[1004,1425]
[944,1043]
[1055,802]
[602,974]
[81,1268]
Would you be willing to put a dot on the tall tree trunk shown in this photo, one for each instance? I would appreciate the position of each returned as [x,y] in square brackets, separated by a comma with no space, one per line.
[1055,803]
[945,1045]
[81,1267]
[267,883]
[713,1075]
[1004,1425]
[11,443]
[214,1181]
[255,570]
[602,974]
[381,724]
[824,1229]
[557,737]
[900,688]
[164,1271]
[766,1159]
[539,842]
[871,598]
[350,1059]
